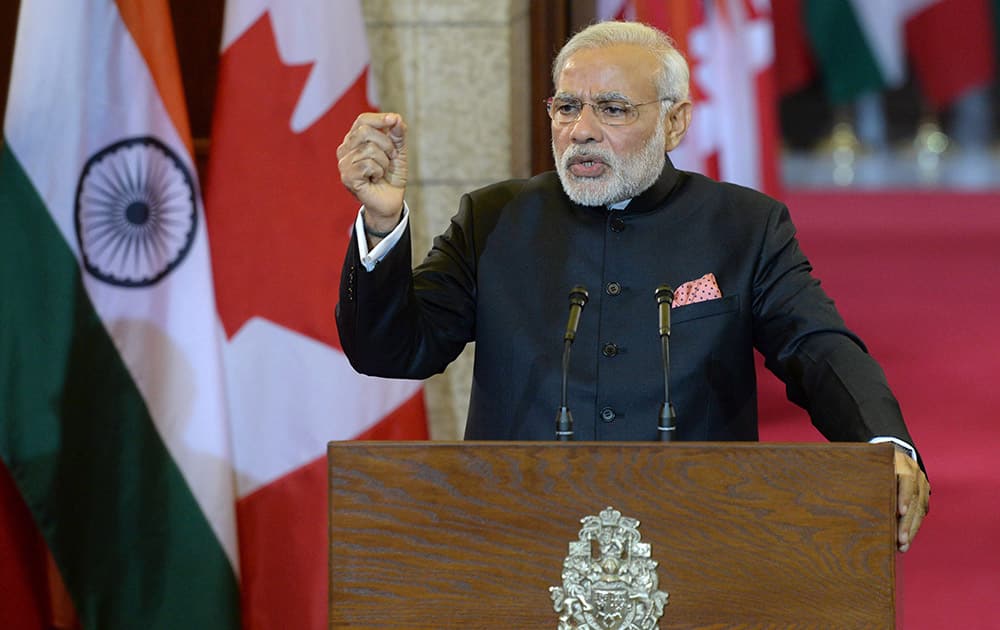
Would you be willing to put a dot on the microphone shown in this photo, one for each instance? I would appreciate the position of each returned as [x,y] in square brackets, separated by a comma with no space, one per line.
[667,423]
[578,297]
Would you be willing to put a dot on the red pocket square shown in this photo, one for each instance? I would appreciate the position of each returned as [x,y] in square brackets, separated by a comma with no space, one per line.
[704,288]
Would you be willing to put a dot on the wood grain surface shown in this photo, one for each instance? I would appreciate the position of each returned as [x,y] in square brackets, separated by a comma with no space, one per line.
[472,535]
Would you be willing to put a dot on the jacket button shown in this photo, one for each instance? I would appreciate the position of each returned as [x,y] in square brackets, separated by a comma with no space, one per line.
[609,350]
[608,414]
[613,288]
[617,224]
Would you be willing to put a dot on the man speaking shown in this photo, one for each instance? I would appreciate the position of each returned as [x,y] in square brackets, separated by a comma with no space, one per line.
[617,218]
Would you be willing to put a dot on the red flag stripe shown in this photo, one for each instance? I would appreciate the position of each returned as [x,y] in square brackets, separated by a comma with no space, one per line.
[24,593]
[952,46]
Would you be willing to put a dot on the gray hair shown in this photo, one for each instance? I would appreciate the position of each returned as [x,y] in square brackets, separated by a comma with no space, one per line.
[672,82]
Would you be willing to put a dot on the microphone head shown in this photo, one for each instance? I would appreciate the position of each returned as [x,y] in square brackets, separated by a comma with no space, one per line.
[579,296]
[664,294]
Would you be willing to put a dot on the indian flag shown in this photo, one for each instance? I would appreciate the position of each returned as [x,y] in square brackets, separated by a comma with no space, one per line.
[113,423]
[859,43]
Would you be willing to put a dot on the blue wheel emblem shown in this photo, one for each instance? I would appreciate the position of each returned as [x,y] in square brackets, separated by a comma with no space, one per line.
[136,214]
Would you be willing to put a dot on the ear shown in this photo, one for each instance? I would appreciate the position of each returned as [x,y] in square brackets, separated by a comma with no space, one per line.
[677,121]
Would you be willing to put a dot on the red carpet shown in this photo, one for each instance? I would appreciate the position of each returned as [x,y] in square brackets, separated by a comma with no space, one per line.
[917,276]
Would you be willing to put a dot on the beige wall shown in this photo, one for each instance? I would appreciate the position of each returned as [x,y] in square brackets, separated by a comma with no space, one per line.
[457,70]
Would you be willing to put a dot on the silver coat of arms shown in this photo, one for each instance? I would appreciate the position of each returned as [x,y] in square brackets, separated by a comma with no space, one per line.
[609,579]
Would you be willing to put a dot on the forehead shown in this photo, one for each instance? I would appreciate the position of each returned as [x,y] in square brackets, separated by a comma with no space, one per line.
[624,69]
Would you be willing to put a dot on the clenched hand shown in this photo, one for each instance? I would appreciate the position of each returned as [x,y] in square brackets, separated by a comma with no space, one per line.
[372,163]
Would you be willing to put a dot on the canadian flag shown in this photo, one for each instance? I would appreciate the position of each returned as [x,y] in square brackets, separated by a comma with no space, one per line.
[293,76]
[729,45]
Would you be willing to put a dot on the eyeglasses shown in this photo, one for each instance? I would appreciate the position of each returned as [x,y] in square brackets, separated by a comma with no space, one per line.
[612,112]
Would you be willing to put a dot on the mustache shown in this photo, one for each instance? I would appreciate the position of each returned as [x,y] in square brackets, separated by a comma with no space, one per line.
[578,153]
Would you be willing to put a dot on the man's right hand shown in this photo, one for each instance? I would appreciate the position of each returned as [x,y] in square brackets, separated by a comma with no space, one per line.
[372,162]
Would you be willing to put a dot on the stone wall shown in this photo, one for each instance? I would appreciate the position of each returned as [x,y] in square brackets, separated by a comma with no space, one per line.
[458,71]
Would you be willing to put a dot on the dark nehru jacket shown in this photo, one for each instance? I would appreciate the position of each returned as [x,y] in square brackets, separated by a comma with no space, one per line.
[500,276]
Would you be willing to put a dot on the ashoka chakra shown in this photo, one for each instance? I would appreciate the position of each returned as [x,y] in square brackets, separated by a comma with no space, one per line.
[136,213]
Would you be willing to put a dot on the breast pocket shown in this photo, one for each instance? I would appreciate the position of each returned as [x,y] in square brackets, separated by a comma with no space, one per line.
[708,308]
[708,329]
[712,364]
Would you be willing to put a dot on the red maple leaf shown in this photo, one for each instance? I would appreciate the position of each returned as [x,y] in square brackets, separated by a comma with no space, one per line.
[278,216]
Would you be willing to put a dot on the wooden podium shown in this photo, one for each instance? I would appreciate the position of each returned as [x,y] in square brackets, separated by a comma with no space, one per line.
[473,534]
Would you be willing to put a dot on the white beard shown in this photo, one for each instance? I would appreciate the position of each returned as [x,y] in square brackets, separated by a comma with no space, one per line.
[626,176]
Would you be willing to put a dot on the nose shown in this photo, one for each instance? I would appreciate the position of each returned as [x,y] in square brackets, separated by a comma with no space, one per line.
[587,127]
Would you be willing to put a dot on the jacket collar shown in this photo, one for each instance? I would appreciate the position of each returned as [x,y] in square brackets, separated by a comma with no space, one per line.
[654,196]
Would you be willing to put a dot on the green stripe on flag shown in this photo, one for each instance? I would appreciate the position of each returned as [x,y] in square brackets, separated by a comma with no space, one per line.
[134,547]
[848,65]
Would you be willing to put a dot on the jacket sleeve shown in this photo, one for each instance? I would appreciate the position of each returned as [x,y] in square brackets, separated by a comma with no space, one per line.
[825,367]
[396,322]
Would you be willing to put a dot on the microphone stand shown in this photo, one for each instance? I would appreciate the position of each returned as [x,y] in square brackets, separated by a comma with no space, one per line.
[667,422]
[564,419]
[578,297]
